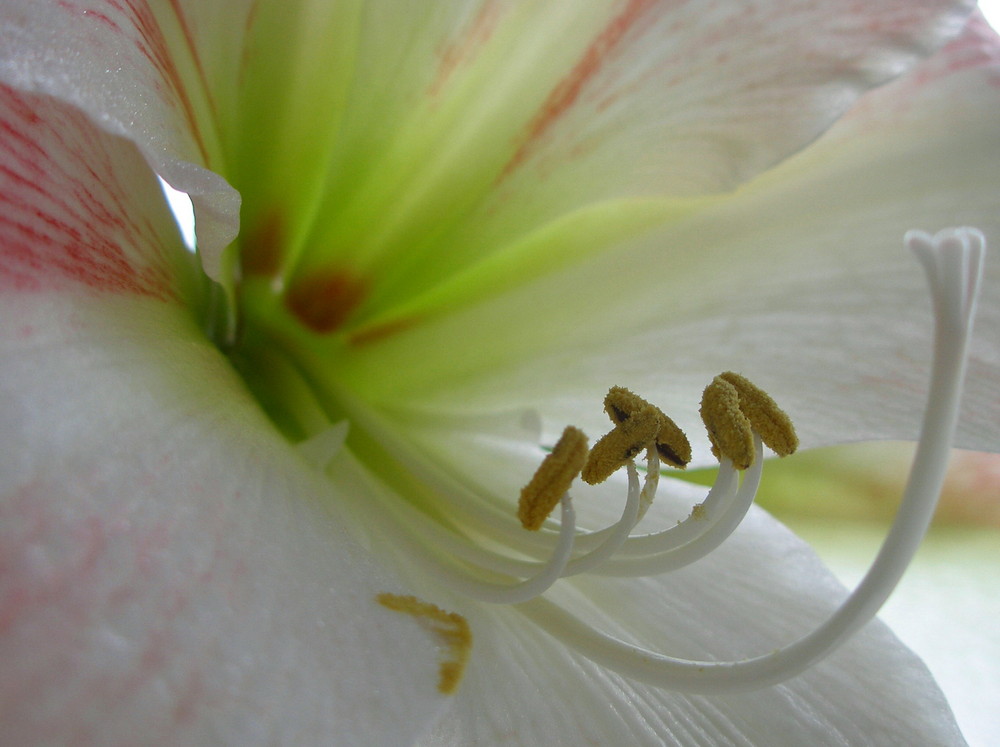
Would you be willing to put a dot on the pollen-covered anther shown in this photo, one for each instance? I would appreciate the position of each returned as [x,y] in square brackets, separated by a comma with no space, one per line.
[552,478]
[766,418]
[733,409]
[729,429]
[619,446]
[672,445]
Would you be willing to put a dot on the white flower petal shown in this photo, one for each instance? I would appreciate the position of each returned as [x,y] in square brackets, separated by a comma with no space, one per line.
[546,114]
[799,280]
[169,568]
[684,99]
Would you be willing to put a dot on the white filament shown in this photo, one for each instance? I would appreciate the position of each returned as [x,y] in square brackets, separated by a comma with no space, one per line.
[665,554]
[619,533]
[471,583]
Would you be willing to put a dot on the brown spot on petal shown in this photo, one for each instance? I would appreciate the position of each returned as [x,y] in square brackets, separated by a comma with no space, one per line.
[324,300]
[260,249]
[370,334]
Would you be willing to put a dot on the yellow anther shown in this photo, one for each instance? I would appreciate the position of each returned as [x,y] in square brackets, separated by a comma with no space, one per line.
[771,423]
[552,478]
[620,403]
[622,444]
[671,443]
[728,428]
[451,628]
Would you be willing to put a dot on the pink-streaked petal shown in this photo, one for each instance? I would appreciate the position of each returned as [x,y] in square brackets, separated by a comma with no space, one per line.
[169,565]
[130,67]
[693,97]
[924,99]
[77,212]
[799,280]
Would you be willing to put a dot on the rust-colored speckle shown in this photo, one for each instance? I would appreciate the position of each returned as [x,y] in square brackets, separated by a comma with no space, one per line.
[566,93]
[260,250]
[463,50]
[324,300]
[378,332]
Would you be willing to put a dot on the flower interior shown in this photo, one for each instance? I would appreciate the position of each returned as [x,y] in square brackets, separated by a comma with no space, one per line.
[302,301]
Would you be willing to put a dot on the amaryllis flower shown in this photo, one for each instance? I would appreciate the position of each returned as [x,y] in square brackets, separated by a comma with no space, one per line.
[268,492]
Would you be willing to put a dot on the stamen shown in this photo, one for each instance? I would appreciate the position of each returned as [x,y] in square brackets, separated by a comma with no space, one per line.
[953,263]
[733,409]
[728,428]
[622,444]
[552,478]
[671,443]
[766,418]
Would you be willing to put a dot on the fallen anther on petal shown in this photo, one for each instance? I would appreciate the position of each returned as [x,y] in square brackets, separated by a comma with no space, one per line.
[728,427]
[766,418]
[622,444]
[450,627]
[552,478]
[671,443]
